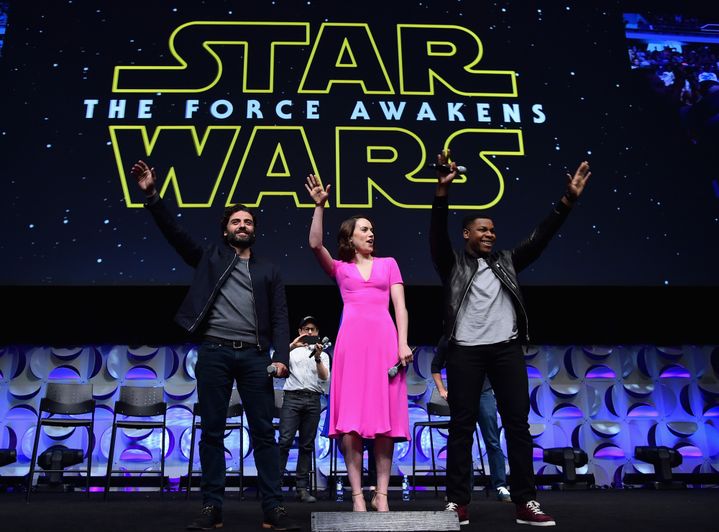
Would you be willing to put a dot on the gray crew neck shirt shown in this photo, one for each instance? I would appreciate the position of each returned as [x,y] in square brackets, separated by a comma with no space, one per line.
[487,314]
[232,315]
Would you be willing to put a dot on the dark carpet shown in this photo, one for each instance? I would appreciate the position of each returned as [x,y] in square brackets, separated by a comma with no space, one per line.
[584,511]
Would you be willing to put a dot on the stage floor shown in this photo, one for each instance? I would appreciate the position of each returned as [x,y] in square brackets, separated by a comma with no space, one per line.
[585,511]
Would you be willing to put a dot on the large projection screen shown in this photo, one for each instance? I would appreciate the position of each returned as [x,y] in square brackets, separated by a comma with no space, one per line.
[237,102]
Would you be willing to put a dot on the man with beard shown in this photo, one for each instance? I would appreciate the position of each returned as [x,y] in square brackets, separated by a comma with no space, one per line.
[237,302]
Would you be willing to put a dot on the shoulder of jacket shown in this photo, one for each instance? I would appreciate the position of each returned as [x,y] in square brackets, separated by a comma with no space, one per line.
[218,249]
[264,264]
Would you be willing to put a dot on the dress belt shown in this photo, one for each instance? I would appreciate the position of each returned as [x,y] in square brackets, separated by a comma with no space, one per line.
[234,344]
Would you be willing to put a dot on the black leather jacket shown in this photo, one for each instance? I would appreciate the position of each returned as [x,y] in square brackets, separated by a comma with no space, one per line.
[213,264]
[456,269]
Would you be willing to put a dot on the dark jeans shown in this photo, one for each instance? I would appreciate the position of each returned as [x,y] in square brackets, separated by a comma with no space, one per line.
[300,410]
[490,434]
[216,369]
[505,367]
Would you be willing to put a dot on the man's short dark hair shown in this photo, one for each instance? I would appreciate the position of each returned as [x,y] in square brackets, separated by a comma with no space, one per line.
[229,211]
[470,218]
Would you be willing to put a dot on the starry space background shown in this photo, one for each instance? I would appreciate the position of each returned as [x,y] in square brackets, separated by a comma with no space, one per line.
[649,215]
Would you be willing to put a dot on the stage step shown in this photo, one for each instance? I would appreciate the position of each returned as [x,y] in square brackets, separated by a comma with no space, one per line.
[380,521]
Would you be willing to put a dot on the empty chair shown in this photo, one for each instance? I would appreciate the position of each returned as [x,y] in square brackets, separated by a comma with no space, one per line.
[138,402]
[234,410]
[7,456]
[438,407]
[64,399]
[416,385]
[336,470]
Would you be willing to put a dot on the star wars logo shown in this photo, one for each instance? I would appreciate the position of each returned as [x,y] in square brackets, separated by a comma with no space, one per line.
[293,99]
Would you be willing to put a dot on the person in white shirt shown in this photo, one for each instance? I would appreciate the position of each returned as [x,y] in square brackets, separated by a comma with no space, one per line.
[308,380]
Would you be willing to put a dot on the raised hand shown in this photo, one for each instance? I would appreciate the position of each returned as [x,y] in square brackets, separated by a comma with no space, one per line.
[318,194]
[577,182]
[444,178]
[145,177]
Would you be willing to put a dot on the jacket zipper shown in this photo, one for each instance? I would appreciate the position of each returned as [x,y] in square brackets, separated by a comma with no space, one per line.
[214,292]
[254,307]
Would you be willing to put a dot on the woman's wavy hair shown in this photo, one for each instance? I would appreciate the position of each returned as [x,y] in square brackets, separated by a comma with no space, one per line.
[345,249]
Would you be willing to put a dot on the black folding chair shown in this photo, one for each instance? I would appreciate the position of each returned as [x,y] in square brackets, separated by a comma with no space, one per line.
[64,400]
[138,402]
[7,456]
[416,387]
[438,407]
[234,410]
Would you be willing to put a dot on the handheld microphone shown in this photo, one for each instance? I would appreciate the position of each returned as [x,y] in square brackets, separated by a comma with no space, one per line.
[394,369]
[445,168]
[271,370]
[325,344]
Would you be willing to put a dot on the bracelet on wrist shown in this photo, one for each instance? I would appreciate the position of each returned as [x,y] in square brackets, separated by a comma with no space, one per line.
[570,198]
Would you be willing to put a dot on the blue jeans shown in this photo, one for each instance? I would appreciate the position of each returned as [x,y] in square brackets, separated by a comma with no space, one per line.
[300,410]
[216,369]
[490,434]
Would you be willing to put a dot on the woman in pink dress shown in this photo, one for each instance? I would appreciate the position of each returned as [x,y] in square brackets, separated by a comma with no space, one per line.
[364,401]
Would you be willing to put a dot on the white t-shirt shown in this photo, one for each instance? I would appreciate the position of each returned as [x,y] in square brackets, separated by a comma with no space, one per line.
[303,371]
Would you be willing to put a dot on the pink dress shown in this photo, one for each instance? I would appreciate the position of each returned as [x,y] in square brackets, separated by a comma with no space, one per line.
[363,399]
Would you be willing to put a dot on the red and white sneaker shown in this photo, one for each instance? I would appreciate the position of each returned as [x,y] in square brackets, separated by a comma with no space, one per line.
[461,510]
[529,513]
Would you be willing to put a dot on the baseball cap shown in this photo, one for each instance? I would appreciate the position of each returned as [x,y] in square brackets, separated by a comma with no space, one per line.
[308,319]
[707,76]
